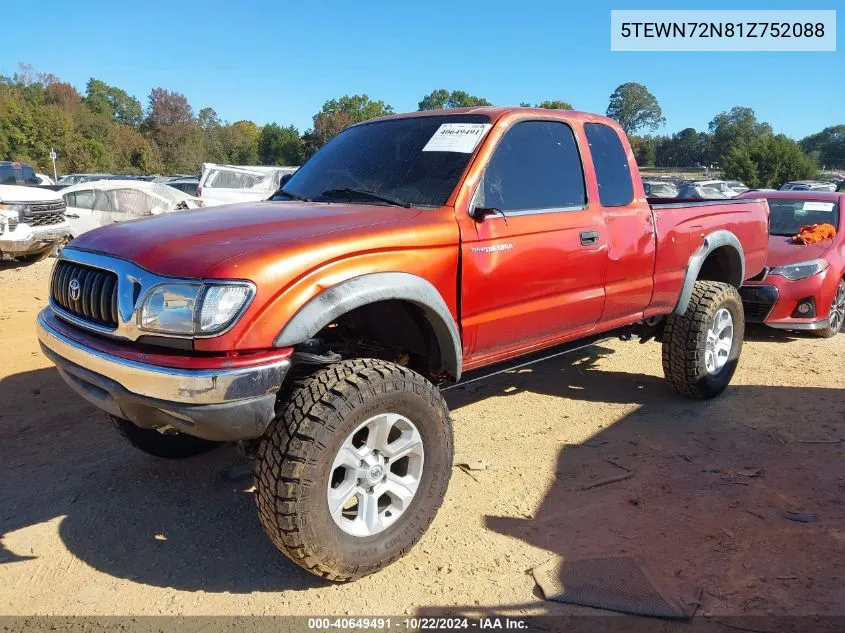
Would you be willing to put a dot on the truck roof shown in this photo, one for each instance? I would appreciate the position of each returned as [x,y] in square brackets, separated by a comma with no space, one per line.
[496,112]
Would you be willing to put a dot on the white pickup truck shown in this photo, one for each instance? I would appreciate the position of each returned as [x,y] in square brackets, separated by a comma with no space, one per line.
[32,222]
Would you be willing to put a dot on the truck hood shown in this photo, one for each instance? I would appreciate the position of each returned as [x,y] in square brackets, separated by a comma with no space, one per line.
[19,193]
[783,252]
[194,243]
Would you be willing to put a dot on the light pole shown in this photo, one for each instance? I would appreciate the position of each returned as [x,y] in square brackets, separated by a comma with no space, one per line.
[53,156]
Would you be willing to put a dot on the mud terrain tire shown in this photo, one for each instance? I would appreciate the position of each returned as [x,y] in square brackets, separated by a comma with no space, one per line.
[685,341]
[295,465]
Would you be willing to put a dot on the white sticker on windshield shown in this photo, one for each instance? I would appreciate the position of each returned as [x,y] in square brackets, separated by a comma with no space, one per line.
[457,137]
[810,205]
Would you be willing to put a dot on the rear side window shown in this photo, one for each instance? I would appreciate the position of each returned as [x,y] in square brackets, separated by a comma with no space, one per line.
[612,170]
[80,199]
[232,180]
[102,202]
[536,166]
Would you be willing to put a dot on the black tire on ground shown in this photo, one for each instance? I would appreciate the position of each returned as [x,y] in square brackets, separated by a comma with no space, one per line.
[165,445]
[35,257]
[685,336]
[295,457]
[830,332]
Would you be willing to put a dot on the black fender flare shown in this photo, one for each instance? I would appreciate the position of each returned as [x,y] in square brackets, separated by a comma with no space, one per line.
[712,241]
[353,293]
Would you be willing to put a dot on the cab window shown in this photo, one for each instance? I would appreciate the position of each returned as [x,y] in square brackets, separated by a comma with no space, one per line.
[535,167]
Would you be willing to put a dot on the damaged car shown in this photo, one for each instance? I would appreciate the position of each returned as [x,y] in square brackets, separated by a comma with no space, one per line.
[103,202]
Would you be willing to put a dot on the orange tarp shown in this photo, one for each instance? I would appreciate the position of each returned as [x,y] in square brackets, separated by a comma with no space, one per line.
[812,233]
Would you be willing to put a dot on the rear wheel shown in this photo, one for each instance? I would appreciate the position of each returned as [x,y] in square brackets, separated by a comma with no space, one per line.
[165,445]
[836,316]
[353,469]
[702,346]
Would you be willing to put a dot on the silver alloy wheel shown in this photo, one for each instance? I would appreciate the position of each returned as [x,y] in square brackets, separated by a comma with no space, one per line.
[720,339]
[375,474]
[837,311]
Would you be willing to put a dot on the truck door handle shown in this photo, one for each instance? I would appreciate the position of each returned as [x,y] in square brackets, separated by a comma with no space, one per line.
[588,238]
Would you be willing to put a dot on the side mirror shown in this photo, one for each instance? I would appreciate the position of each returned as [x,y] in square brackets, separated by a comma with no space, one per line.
[284,180]
[479,213]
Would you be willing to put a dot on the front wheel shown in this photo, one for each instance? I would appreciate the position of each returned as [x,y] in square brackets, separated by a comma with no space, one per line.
[836,316]
[353,469]
[701,347]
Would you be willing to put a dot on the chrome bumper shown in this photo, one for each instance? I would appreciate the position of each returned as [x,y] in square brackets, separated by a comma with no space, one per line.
[223,405]
[185,386]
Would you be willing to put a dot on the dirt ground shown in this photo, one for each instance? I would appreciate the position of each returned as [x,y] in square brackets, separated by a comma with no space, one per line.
[90,526]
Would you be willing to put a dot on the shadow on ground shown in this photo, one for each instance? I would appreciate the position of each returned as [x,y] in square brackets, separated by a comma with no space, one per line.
[704,504]
[179,523]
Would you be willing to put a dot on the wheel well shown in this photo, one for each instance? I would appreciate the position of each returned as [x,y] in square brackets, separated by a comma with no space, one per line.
[722,264]
[393,329]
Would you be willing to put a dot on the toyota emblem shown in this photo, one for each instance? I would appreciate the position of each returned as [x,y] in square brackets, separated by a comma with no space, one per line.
[74,289]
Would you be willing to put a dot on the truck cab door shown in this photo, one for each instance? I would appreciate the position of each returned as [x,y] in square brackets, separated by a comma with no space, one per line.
[534,251]
[629,224]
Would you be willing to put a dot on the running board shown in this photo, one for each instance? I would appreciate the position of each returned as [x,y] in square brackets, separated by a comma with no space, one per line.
[531,359]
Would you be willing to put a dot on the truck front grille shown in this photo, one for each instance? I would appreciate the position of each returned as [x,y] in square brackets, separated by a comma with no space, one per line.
[44,213]
[87,293]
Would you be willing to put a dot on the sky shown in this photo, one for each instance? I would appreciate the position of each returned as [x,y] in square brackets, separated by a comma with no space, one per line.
[280,61]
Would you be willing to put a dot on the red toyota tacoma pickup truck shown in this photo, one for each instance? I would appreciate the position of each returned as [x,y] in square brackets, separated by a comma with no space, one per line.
[315,328]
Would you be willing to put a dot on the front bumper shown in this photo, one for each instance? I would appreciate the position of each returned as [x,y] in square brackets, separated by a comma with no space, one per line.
[215,404]
[25,239]
[774,300]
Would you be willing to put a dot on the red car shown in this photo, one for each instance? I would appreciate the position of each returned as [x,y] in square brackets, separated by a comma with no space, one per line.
[802,286]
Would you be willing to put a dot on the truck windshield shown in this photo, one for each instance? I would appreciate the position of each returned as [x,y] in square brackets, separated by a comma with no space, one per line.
[787,216]
[408,161]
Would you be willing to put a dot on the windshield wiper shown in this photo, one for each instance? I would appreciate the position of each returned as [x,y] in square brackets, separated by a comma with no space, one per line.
[363,193]
[291,195]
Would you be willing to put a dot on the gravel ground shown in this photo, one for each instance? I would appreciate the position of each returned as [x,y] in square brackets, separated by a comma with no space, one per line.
[90,526]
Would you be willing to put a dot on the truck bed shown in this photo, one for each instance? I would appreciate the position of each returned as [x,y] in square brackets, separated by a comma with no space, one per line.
[680,228]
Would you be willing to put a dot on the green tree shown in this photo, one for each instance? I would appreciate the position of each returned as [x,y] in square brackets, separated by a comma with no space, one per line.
[113,102]
[338,114]
[171,128]
[829,144]
[241,140]
[768,161]
[279,145]
[683,149]
[555,105]
[635,108]
[645,150]
[443,99]
[736,128]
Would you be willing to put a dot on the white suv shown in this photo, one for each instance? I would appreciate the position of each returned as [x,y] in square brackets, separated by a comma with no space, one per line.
[32,219]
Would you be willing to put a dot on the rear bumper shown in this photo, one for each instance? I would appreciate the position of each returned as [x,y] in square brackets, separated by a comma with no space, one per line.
[216,404]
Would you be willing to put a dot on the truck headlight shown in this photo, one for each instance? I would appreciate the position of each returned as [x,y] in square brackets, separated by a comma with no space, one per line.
[801,270]
[193,309]
[10,214]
